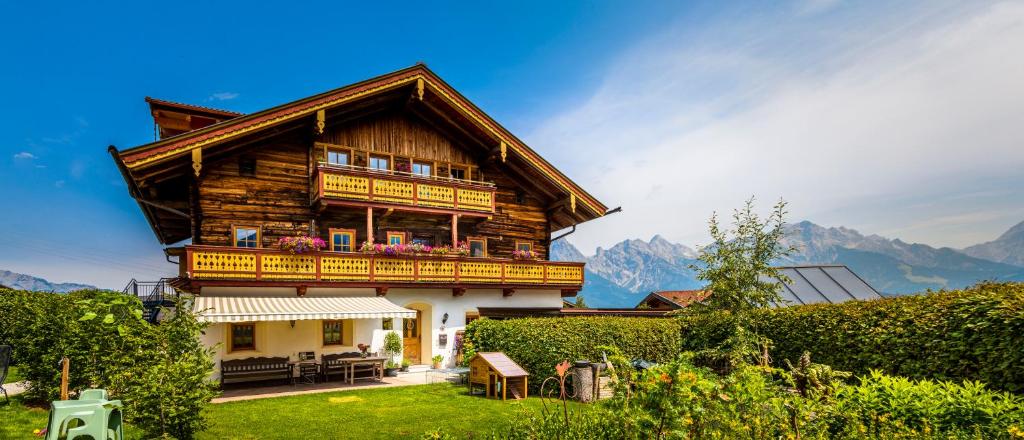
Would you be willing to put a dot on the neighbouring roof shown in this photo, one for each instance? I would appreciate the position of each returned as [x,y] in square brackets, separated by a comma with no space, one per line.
[502,364]
[293,308]
[155,103]
[808,284]
[675,299]
[814,284]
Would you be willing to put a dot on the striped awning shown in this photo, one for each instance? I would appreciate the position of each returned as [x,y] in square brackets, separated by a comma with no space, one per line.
[246,309]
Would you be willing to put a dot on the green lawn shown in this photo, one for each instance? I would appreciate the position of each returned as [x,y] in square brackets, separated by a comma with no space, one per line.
[385,413]
[13,375]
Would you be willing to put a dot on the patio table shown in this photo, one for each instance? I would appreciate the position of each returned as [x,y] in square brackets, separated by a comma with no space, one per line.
[376,361]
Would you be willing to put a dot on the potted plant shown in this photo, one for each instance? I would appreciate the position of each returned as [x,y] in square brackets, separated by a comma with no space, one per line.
[301,244]
[362,349]
[392,347]
[405,365]
[437,361]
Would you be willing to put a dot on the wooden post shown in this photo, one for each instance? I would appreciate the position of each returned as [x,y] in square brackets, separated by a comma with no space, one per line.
[455,229]
[65,366]
[369,225]
[504,387]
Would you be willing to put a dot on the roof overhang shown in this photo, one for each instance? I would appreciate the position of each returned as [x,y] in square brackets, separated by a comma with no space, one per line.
[295,308]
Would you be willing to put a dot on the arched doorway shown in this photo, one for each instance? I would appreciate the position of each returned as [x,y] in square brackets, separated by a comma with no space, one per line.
[416,334]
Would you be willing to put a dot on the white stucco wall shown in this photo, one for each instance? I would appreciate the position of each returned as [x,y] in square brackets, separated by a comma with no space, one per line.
[281,339]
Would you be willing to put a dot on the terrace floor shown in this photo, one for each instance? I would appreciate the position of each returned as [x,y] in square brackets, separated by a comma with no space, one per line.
[234,394]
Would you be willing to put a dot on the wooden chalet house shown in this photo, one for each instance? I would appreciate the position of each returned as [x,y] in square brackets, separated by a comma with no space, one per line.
[401,161]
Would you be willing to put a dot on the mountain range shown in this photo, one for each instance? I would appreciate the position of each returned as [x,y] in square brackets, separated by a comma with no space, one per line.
[622,275]
[19,281]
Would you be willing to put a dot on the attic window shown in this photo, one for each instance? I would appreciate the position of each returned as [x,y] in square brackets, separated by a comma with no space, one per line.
[246,166]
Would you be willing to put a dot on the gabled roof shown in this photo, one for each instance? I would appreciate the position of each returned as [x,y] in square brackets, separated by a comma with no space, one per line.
[210,137]
[502,364]
[155,103]
[675,299]
[808,284]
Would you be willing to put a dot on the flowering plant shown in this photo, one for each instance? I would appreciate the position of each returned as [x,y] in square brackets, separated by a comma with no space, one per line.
[524,255]
[301,244]
[461,249]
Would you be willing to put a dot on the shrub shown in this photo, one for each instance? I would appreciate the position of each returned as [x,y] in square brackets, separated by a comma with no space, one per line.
[970,334]
[537,344]
[159,371]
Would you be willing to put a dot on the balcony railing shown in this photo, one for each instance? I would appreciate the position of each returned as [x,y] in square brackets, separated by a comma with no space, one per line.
[239,264]
[361,186]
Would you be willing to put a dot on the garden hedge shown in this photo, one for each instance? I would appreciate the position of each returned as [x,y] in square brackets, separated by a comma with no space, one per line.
[975,334]
[537,344]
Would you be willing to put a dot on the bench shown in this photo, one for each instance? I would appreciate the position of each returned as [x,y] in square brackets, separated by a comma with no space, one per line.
[255,369]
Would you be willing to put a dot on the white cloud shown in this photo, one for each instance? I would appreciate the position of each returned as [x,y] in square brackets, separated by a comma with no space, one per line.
[59,184]
[848,121]
[222,96]
[25,155]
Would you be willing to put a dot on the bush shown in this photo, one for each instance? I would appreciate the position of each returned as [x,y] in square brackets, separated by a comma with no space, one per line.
[970,334]
[537,344]
[678,400]
[159,371]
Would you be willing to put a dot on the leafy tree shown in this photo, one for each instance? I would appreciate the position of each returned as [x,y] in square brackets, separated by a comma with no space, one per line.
[580,302]
[737,267]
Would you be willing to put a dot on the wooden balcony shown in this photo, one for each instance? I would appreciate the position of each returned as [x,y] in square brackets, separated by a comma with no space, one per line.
[229,266]
[360,187]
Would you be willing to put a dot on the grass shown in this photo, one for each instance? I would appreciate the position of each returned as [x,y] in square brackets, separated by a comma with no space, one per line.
[13,375]
[384,413]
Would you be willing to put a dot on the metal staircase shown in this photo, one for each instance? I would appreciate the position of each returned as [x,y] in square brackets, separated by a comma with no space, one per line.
[153,294]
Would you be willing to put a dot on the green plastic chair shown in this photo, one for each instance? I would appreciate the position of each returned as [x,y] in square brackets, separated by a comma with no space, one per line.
[97,417]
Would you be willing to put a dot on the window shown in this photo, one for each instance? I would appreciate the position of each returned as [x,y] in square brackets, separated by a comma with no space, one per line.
[246,236]
[524,246]
[477,246]
[458,173]
[343,240]
[472,316]
[422,169]
[243,336]
[337,157]
[380,163]
[396,237]
[387,324]
[332,333]
[411,329]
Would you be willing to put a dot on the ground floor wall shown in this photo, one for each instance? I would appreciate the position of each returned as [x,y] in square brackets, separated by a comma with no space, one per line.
[437,337]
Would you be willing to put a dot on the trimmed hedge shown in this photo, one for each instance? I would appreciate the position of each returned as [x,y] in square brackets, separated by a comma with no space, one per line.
[970,334]
[538,344]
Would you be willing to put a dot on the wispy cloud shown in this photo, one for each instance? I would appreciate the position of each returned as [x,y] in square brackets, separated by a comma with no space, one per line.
[839,115]
[222,96]
[24,155]
[59,184]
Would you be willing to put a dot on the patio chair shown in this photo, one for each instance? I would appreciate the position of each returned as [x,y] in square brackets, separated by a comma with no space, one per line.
[308,373]
[5,364]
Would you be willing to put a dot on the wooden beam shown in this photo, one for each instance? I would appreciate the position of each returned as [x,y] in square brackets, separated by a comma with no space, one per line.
[321,122]
[507,292]
[369,225]
[458,291]
[381,291]
[197,160]
[455,229]
[300,291]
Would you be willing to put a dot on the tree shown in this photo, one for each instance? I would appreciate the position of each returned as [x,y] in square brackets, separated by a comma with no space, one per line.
[737,267]
[580,302]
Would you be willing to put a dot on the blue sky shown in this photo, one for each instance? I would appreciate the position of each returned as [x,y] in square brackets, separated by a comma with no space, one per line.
[841,99]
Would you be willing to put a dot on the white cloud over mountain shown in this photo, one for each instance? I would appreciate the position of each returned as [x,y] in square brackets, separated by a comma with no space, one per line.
[902,121]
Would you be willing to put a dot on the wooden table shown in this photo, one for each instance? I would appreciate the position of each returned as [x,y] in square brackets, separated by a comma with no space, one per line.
[376,361]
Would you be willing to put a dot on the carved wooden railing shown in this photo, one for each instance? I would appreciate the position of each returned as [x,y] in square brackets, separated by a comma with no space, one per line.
[228,263]
[362,186]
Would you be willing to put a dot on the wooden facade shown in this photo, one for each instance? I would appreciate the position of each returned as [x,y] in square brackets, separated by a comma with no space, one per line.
[401,155]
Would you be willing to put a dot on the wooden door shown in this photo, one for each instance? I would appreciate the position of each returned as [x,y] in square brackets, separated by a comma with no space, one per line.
[411,338]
